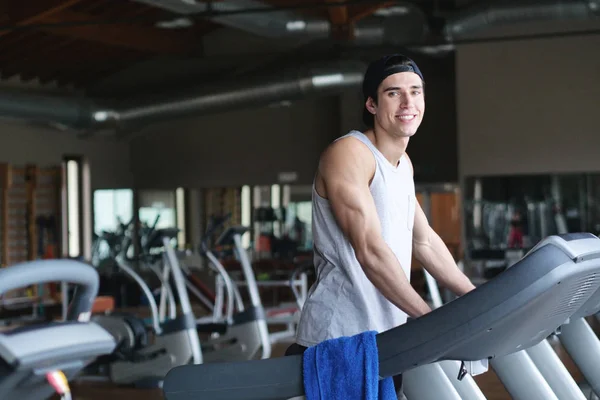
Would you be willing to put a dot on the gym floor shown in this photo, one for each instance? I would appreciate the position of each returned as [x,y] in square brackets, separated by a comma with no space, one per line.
[488,382]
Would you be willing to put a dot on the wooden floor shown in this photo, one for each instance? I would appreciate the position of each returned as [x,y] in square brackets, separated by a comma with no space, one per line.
[488,382]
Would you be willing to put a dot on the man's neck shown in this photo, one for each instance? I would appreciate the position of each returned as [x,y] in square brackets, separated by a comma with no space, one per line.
[392,148]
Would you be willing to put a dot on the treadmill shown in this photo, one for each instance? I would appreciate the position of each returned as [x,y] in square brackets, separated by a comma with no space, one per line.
[582,343]
[28,353]
[512,312]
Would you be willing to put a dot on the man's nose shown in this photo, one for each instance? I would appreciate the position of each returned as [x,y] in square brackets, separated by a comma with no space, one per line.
[405,100]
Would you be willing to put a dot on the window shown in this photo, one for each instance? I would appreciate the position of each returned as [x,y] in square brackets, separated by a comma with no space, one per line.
[299,223]
[180,213]
[110,207]
[299,214]
[246,213]
[276,205]
[73,212]
[76,207]
[157,210]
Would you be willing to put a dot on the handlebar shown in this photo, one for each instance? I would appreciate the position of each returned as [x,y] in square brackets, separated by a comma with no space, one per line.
[43,271]
[153,227]
[213,224]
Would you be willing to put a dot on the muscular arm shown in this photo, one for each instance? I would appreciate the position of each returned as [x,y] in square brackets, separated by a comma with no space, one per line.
[345,171]
[432,252]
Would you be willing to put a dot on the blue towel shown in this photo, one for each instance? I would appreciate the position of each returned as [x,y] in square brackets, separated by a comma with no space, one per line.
[346,368]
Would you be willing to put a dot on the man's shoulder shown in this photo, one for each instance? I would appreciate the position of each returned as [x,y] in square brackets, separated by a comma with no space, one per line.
[347,158]
[347,149]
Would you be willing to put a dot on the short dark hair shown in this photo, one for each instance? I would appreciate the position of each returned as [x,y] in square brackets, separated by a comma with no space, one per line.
[380,69]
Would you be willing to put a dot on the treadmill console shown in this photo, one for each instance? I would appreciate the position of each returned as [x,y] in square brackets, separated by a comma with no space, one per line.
[578,246]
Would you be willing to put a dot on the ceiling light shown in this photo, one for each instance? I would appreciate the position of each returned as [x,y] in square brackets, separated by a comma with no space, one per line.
[392,11]
[177,23]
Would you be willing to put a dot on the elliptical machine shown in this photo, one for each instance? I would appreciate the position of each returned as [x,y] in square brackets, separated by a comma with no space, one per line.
[242,334]
[136,361]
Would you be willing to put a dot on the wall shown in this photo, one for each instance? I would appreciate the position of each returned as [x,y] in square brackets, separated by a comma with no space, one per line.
[433,150]
[529,106]
[249,146]
[109,161]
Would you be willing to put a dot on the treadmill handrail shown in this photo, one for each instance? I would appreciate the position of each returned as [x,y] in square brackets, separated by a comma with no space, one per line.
[58,270]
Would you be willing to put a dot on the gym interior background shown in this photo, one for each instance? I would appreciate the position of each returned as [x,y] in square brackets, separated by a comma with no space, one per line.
[125,117]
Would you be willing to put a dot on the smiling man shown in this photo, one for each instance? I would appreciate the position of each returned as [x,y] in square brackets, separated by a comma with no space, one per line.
[366,221]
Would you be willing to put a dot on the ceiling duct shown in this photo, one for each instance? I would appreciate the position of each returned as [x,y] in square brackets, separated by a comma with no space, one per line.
[85,114]
[488,14]
[291,85]
[51,109]
[272,24]
[285,24]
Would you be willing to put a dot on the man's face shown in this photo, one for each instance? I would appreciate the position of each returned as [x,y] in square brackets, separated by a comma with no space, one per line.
[400,104]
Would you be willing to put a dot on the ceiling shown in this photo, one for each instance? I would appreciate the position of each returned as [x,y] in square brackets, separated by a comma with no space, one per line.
[80,43]
[124,62]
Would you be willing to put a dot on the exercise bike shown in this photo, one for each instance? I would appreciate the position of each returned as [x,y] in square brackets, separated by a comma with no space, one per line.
[136,361]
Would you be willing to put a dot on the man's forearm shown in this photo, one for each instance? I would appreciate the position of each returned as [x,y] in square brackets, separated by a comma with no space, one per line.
[437,260]
[383,269]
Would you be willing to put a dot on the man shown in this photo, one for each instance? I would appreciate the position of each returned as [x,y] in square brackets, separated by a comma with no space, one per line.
[367,223]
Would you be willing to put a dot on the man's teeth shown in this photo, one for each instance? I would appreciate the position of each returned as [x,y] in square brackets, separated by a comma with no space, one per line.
[407,117]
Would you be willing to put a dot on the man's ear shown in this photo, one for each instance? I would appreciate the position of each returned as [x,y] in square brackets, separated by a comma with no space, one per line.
[371,106]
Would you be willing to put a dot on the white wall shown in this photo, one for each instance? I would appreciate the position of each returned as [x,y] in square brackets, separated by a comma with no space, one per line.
[529,106]
[109,161]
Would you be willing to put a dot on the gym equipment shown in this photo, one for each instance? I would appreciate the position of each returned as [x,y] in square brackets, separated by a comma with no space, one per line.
[545,358]
[242,336]
[150,259]
[199,290]
[512,312]
[554,372]
[541,361]
[28,353]
[223,279]
[176,341]
[286,314]
[538,370]
[582,344]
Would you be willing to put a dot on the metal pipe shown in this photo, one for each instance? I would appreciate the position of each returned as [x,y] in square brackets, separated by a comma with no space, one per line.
[288,86]
[82,114]
[486,14]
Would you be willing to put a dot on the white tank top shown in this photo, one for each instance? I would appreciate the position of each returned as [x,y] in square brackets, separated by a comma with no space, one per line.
[343,302]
